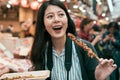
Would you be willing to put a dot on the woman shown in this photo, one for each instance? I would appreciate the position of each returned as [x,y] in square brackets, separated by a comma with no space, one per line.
[52,49]
[85,27]
[85,31]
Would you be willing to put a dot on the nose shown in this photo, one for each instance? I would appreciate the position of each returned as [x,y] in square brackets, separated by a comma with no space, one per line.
[56,18]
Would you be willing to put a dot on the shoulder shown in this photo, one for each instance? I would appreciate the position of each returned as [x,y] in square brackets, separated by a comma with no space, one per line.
[117,32]
[87,43]
[84,55]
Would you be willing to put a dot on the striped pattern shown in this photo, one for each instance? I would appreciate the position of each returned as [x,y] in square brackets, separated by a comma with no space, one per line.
[59,72]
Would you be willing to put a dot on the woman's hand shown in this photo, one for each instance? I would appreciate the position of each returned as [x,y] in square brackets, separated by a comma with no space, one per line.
[113,39]
[106,38]
[97,39]
[104,69]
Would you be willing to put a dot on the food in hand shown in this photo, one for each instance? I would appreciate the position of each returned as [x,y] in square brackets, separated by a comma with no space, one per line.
[84,46]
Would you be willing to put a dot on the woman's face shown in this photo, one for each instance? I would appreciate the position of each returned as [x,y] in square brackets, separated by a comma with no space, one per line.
[55,21]
[88,27]
[111,30]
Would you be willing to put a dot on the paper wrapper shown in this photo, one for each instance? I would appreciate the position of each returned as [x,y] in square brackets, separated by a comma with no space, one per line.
[32,75]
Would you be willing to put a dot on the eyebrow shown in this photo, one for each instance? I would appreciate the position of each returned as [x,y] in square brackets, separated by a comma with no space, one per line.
[52,13]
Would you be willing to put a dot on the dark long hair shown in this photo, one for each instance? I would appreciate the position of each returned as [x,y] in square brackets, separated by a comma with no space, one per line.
[41,35]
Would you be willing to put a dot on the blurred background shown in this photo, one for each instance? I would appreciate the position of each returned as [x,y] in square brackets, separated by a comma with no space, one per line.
[18,20]
[16,12]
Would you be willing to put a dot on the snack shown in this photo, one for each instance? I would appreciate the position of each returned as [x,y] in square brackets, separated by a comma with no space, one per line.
[23,77]
[84,46]
[31,75]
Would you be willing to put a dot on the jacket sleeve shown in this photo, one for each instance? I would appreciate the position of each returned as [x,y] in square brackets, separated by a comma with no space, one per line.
[103,36]
[90,63]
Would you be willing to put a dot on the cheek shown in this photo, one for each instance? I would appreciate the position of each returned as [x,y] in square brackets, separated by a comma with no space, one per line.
[86,27]
[47,24]
[66,22]
[91,27]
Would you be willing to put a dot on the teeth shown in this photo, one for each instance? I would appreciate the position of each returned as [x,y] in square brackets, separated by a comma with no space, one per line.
[57,28]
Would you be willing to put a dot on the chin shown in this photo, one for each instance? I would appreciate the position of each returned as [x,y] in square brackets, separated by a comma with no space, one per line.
[58,36]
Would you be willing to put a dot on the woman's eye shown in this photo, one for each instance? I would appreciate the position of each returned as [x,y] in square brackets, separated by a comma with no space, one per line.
[50,16]
[61,15]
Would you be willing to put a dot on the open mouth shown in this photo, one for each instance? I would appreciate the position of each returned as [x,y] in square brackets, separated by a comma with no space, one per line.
[57,28]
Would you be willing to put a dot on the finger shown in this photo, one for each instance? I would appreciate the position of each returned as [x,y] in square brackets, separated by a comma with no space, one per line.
[100,60]
[114,66]
[104,61]
[111,61]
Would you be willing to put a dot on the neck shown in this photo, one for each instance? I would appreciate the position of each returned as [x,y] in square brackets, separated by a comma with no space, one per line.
[59,44]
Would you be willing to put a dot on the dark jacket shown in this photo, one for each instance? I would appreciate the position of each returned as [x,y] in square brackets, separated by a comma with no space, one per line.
[88,64]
